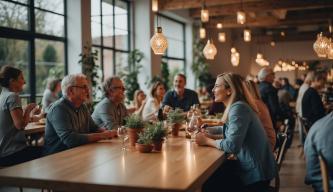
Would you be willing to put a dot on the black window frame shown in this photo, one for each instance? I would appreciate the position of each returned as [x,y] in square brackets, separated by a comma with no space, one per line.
[30,35]
[166,57]
[101,47]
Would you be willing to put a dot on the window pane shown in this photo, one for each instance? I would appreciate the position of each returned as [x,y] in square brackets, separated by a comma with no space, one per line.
[96,22]
[107,18]
[108,63]
[13,15]
[121,39]
[51,5]
[49,23]
[49,62]
[121,61]
[175,49]
[15,52]
[175,66]
[121,11]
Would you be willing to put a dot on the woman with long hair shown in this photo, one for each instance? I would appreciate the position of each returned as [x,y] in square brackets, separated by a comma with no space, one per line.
[139,101]
[13,119]
[153,104]
[250,163]
[263,112]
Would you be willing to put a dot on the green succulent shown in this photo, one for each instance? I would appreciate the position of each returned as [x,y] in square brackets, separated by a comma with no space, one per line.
[176,116]
[134,121]
[145,138]
[157,131]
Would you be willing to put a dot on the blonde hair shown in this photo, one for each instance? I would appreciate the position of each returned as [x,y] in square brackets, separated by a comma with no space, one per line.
[135,99]
[239,92]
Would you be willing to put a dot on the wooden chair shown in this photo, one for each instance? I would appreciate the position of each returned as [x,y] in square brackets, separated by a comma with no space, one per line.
[324,172]
[281,149]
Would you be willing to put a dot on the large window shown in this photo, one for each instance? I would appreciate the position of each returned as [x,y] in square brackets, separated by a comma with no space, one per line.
[33,38]
[111,34]
[175,33]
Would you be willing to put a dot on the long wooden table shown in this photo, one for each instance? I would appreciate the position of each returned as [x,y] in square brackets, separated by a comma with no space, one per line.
[180,166]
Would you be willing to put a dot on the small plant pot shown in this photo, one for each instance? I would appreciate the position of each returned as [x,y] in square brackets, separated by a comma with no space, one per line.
[143,148]
[133,135]
[175,129]
[157,145]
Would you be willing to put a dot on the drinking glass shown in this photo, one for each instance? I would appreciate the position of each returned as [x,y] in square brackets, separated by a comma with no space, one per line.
[122,134]
[193,126]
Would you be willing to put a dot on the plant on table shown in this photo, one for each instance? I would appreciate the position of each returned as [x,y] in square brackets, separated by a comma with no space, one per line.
[135,124]
[175,118]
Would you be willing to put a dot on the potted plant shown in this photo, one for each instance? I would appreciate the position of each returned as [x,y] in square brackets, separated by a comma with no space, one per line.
[135,125]
[175,118]
[144,143]
[158,132]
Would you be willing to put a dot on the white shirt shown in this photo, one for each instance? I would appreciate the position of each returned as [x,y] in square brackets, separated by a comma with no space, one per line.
[150,109]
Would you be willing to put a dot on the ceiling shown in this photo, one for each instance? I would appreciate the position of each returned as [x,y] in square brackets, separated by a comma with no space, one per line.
[298,19]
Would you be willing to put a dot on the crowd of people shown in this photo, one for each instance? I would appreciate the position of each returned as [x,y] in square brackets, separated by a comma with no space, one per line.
[253,112]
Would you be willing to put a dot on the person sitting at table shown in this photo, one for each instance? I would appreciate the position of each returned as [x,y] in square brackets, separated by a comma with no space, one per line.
[111,112]
[250,163]
[180,97]
[68,123]
[263,114]
[153,104]
[51,93]
[13,119]
[139,101]
[319,140]
[312,105]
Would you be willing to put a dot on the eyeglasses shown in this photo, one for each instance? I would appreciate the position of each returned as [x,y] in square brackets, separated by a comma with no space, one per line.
[119,87]
[81,87]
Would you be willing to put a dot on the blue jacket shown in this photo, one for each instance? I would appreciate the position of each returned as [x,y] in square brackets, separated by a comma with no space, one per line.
[245,137]
[320,138]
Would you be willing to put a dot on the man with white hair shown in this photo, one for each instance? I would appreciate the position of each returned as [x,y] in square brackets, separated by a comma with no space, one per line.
[268,93]
[68,123]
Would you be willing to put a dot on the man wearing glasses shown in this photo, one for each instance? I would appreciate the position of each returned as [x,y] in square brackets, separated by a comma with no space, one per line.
[68,123]
[111,112]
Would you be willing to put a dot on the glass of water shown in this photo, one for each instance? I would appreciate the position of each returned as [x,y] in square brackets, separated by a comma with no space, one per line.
[122,134]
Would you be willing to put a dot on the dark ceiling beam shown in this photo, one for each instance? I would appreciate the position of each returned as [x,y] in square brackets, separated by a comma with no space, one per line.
[190,4]
[304,36]
[267,5]
[270,21]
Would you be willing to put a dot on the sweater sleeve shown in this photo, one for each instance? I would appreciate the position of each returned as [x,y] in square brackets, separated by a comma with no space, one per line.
[65,128]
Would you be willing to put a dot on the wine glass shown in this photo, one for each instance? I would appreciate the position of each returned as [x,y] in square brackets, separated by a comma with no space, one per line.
[192,127]
[122,134]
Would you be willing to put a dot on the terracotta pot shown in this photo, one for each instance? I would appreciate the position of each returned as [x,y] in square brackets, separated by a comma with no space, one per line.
[133,135]
[157,145]
[175,129]
[143,148]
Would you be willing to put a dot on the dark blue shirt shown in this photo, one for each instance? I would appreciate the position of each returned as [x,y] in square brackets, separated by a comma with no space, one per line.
[190,98]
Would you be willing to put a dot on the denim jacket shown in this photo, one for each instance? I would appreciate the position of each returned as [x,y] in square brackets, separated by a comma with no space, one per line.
[245,137]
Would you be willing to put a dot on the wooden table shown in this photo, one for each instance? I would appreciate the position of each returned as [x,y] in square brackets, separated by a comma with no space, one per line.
[34,131]
[34,127]
[180,166]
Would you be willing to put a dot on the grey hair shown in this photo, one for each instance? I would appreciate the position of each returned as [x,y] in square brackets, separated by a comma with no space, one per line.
[263,73]
[70,80]
[107,84]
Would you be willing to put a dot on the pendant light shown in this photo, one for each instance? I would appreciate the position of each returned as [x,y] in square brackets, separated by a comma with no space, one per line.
[204,13]
[154,5]
[158,42]
[235,57]
[219,26]
[321,45]
[241,16]
[247,35]
[209,50]
[222,37]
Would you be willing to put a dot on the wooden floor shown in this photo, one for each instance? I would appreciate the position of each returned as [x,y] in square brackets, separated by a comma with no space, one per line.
[293,170]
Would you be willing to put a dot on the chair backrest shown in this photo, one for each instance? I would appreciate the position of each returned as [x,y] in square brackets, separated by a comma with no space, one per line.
[324,172]
[281,149]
